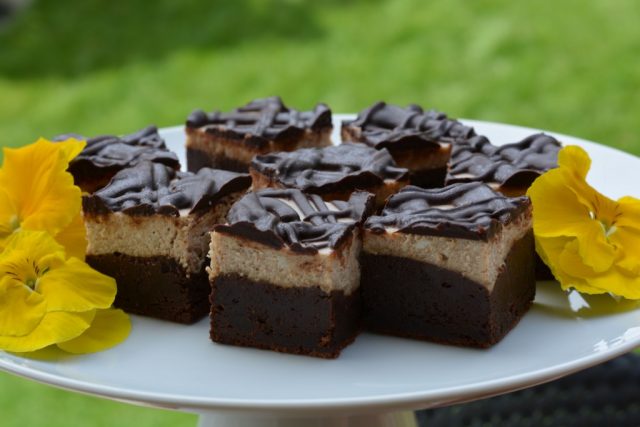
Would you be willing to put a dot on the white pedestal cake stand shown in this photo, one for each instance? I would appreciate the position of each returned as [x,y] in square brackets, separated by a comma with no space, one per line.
[176,367]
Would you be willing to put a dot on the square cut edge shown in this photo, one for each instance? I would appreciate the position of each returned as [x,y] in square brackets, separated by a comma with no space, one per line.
[455,291]
[285,301]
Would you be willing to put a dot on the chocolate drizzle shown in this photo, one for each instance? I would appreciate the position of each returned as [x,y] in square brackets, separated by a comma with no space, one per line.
[262,120]
[112,151]
[288,217]
[469,211]
[511,165]
[384,125]
[152,188]
[330,169]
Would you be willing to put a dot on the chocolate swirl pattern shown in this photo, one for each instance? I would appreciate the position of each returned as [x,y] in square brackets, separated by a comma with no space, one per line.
[386,125]
[110,151]
[152,188]
[323,170]
[261,120]
[301,222]
[470,211]
[511,165]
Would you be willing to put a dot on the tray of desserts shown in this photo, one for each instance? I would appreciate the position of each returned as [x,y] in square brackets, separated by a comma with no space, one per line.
[277,259]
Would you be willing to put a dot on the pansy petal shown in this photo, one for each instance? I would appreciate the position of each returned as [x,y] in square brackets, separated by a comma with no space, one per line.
[556,209]
[8,217]
[628,213]
[594,249]
[574,158]
[69,148]
[21,309]
[109,328]
[37,244]
[42,190]
[618,283]
[77,287]
[553,252]
[74,238]
[572,264]
[55,327]
[628,240]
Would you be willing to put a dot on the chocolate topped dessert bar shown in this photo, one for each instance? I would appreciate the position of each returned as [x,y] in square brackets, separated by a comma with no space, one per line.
[332,172]
[418,140]
[149,229]
[285,274]
[105,155]
[510,168]
[453,265]
[230,140]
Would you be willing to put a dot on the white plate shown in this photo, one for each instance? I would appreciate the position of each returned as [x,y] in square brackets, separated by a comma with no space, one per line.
[174,366]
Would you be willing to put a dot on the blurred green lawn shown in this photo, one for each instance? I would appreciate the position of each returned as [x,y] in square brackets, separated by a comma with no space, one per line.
[98,66]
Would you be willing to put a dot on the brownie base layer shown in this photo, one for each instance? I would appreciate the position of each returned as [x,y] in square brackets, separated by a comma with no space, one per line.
[198,159]
[428,178]
[305,321]
[156,287]
[412,299]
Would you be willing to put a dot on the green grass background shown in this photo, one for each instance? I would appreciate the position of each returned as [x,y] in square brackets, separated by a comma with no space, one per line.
[99,66]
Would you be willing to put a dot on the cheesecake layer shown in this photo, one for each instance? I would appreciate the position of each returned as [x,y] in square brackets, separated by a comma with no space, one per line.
[328,269]
[477,260]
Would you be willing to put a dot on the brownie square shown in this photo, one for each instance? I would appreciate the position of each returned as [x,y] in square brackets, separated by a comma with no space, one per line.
[104,156]
[418,140]
[149,229]
[452,265]
[230,140]
[285,272]
[510,168]
[333,172]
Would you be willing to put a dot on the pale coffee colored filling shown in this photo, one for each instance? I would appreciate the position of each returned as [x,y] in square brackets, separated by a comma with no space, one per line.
[184,238]
[476,260]
[330,270]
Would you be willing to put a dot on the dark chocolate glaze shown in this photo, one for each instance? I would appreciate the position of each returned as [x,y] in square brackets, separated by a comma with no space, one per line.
[511,165]
[469,211]
[122,151]
[262,120]
[152,188]
[324,170]
[385,125]
[288,217]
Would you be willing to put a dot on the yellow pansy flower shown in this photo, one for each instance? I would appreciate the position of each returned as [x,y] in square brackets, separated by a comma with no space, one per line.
[37,193]
[49,298]
[590,242]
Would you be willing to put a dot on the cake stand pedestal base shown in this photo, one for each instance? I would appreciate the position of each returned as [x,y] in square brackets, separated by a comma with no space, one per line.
[391,419]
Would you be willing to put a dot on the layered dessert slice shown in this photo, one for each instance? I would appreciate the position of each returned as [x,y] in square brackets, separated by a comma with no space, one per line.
[285,274]
[418,140]
[230,140]
[106,155]
[149,229]
[509,169]
[452,265]
[332,172]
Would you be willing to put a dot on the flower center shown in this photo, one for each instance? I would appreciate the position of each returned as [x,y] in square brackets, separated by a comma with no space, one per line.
[26,272]
[14,223]
[31,283]
[608,227]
